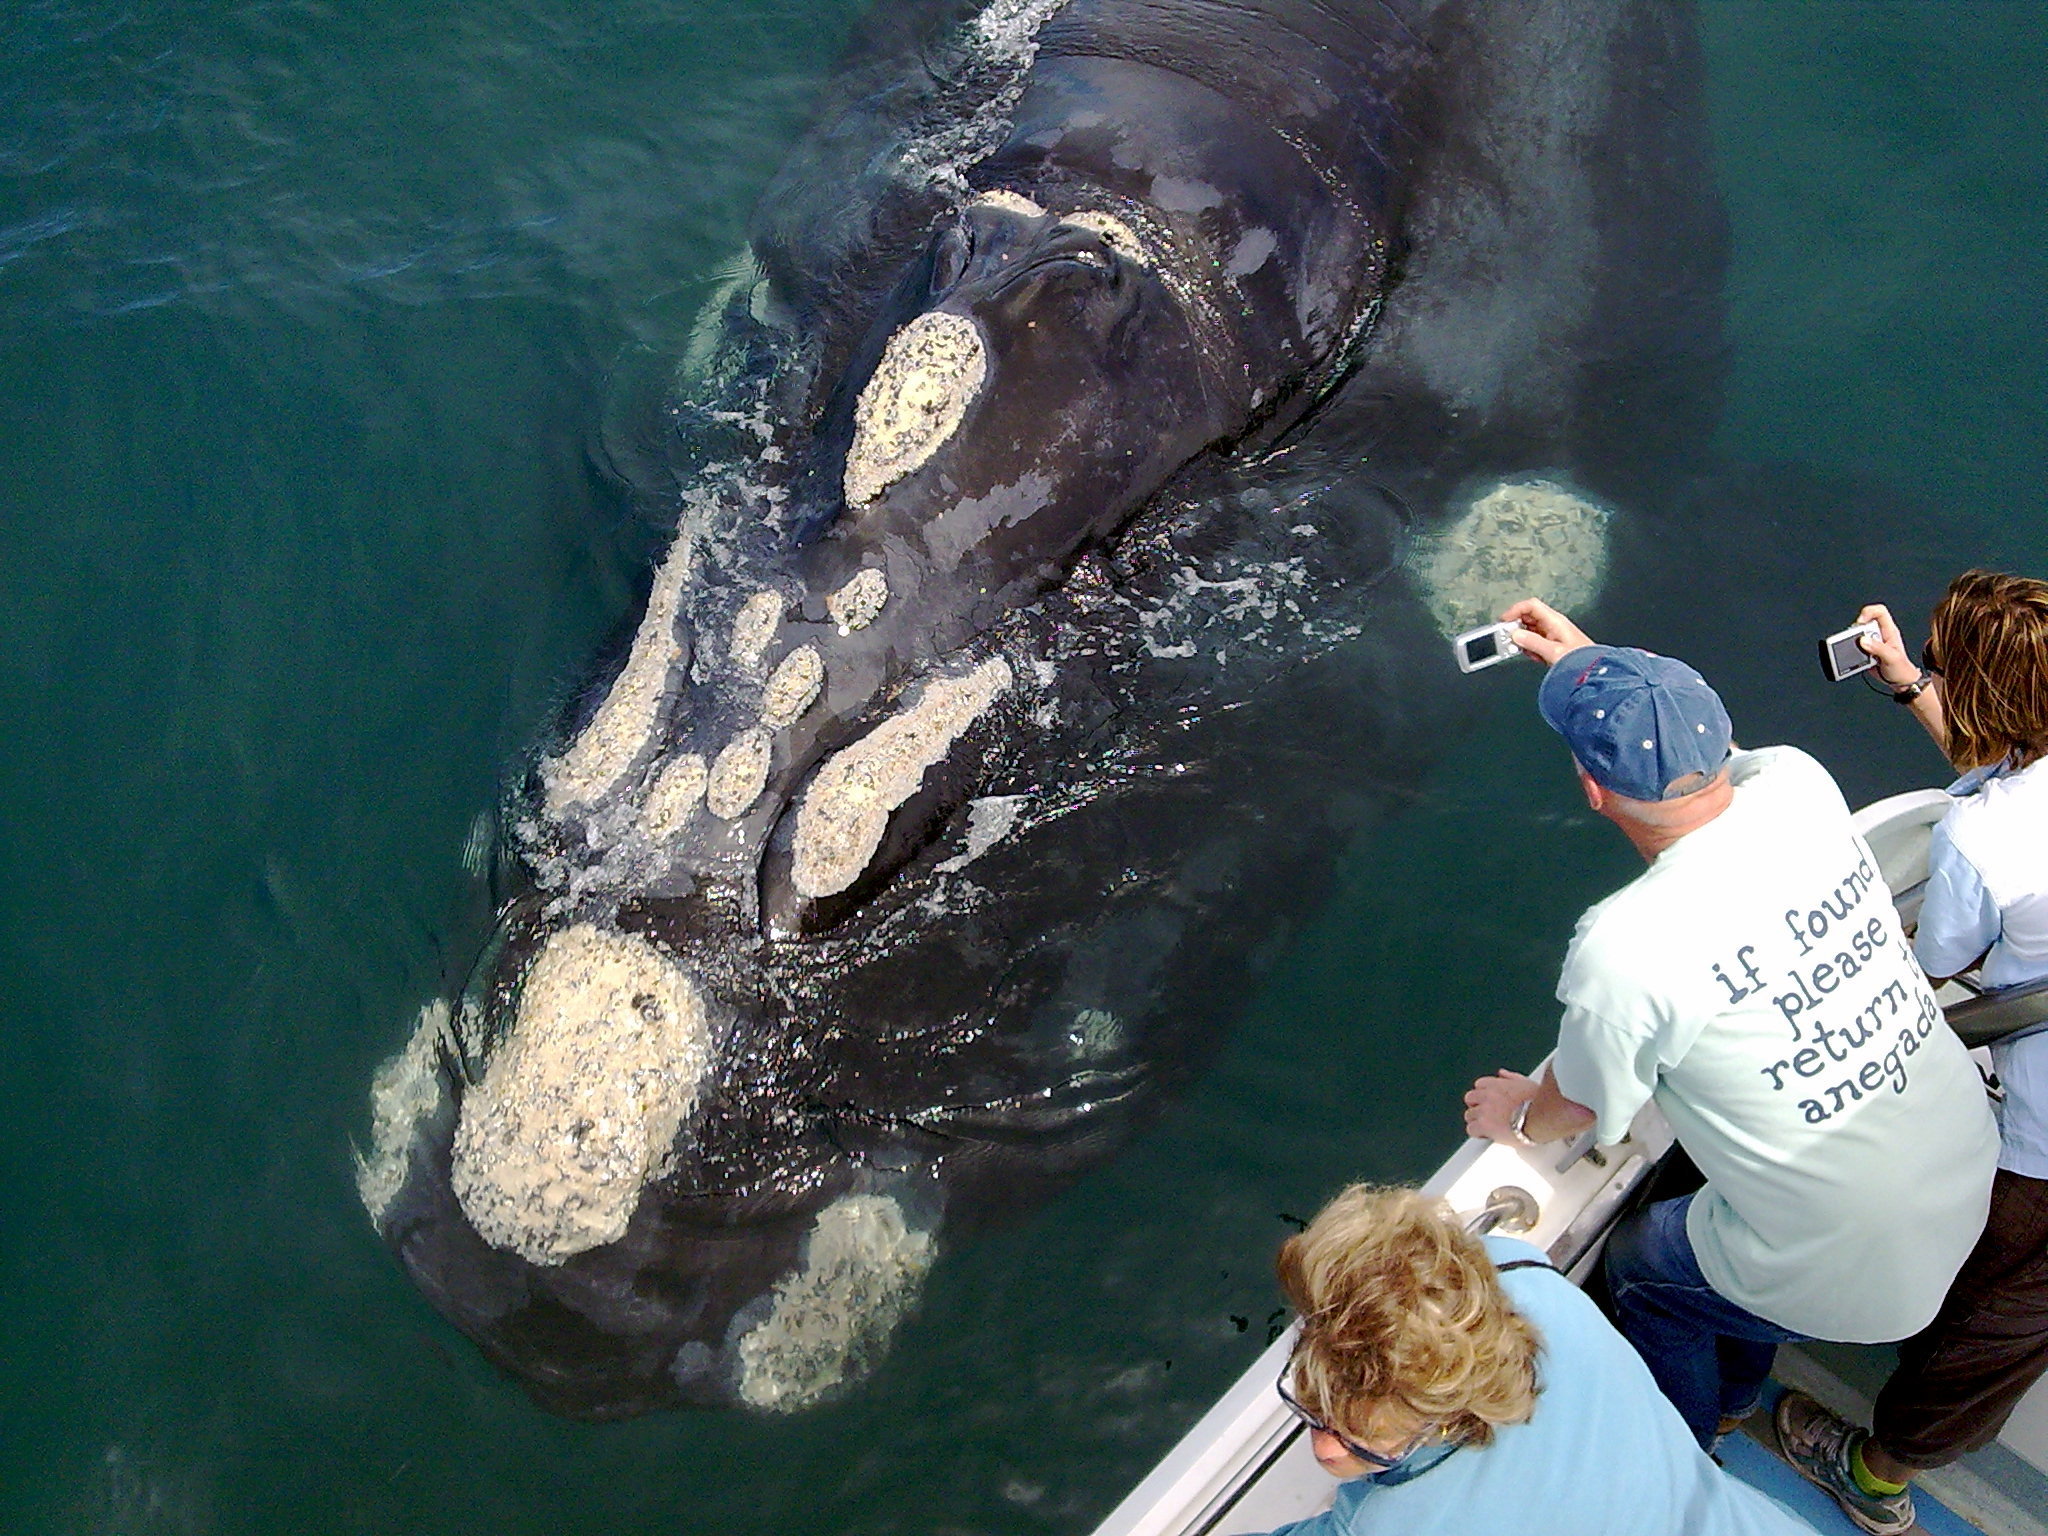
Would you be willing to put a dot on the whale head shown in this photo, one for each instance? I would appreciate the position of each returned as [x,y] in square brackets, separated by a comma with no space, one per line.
[682,1138]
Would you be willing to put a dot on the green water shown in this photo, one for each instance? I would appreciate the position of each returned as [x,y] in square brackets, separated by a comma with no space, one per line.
[309,314]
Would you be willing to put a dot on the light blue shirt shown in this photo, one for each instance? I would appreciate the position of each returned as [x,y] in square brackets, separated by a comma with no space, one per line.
[1603,1455]
[1958,918]
[1961,919]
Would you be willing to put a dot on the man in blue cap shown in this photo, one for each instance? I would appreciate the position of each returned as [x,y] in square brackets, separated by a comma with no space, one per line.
[1753,980]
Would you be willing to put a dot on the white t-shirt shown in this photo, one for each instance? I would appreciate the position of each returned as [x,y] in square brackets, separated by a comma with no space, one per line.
[1755,980]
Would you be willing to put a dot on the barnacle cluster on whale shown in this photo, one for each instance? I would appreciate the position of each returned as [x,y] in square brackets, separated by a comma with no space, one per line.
[582,1100]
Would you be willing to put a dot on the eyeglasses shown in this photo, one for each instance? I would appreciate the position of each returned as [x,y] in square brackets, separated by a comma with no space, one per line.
[1365,1454]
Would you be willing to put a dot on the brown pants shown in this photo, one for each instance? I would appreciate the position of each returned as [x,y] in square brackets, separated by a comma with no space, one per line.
[1960,1377]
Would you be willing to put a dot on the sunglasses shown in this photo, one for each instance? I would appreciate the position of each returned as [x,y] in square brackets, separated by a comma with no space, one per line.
[1927,662]
[1366,1454]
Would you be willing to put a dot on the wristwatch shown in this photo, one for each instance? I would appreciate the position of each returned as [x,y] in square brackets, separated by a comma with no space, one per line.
[1906,693]
[1520,1118]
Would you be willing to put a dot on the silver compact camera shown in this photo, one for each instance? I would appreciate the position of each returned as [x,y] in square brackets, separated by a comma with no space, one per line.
[1841,656]
[1486,646]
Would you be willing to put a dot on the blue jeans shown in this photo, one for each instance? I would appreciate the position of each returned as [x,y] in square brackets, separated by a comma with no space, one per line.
[1710,1357]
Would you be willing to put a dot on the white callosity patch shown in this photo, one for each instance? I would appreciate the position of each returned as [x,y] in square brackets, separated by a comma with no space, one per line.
[792,687]
[859,603]
[739,774]
[753,627]
[600,755]
[1523,538]
[861,1268]
[930,372]
[405,1092]
[672,798]
[1112,231]
[582,1101]
[989,820]
[1010,202]
[1263,604]
[847,807]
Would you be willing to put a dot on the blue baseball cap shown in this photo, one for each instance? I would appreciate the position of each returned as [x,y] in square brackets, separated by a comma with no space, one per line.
[1639,724]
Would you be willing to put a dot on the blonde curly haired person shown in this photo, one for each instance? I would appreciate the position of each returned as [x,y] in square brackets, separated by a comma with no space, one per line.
[1459,1385]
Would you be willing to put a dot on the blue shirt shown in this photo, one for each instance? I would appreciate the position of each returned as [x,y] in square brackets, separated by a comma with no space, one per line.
[1961,917]
[1603,1454]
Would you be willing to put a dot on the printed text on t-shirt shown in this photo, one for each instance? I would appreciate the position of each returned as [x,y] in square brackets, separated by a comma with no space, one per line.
[1835,943]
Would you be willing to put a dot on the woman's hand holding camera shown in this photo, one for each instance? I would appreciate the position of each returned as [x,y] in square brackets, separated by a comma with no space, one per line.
[1917,690]
[1893,664]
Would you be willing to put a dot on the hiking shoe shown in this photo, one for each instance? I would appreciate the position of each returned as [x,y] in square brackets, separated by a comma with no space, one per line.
[1818,1444]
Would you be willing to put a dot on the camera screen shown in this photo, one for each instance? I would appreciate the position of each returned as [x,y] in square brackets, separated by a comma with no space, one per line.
[1483,647]
[1848,657]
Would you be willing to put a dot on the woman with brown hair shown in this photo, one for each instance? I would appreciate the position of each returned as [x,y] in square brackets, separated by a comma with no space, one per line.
[1981,692]
[1460,1386]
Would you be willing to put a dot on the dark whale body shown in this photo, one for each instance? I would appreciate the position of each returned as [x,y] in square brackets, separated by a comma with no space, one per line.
[1101,369]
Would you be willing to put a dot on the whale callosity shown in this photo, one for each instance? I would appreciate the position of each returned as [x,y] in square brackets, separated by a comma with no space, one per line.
[859,603]
[624,725]
[792,687]
[753,627]
[674,795]
[846,808]
[581,1103]
[929,374]
[739,773]
[1520,538]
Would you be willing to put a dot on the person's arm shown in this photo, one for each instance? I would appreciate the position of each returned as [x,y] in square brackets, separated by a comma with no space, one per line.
[1898,670]
[1491,1104]
[1959,921]
[1545,634]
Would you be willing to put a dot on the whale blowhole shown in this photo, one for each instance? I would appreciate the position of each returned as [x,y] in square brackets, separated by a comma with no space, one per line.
[1112,232]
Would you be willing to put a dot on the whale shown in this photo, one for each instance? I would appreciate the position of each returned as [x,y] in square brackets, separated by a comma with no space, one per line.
[1072,487]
